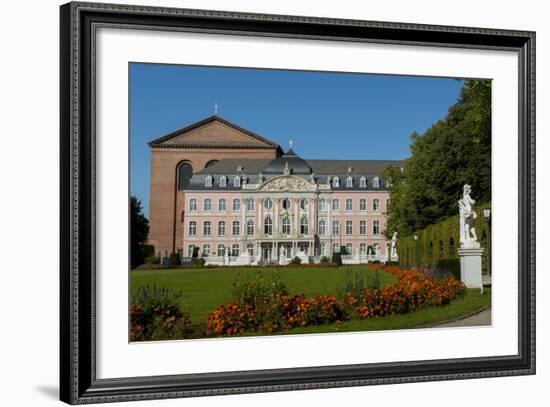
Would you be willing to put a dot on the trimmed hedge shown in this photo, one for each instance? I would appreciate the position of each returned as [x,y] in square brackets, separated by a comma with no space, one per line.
[437,244]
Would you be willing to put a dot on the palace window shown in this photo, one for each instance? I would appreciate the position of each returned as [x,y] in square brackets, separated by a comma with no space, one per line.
[376,182]
[387,205]
[349,248]
[286,226]
[304,226]
[335,182]
[208,182]
[286,203]
[250,249]
[236,230]
[362,182]
[349,227]
[207,204]
[268,226]
[235,250]
[335,205]
[206,250]
[363,249]
[192,228]
[223,181]
[222,205]
[236,205]
[349,182]
[363,205]
[335,227]
[237,181]
[304,204]
[193,204]
[221,228]
[376,204]
[268,203]
[322,205]
[322,248]
[375,227]
[362,227]
[250,227]
[322,227]
[206,228]
[221,250]
[349,205]
[250,205]
[190,250]
[335,248]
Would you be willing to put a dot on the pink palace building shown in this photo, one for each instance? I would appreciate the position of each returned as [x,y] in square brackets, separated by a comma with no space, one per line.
[248,202]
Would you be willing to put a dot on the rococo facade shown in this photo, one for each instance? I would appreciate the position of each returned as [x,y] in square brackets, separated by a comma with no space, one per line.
[252,203]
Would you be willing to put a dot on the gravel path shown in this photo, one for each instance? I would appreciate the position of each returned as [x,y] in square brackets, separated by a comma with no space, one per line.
[480,319]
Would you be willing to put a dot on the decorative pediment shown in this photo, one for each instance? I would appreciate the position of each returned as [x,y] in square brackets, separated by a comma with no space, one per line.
[288,183]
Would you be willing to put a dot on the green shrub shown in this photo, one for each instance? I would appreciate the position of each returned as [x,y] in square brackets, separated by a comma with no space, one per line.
[448,266]
[296,261]
[152,260]
[199,261]
[324,259]
[258,289]
[337,258]
[174,260]
[155,314]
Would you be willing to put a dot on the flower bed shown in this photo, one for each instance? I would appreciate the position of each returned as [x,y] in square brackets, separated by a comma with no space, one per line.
[280,312]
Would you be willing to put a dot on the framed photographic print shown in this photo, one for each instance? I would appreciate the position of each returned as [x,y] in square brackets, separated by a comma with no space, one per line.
[255,203]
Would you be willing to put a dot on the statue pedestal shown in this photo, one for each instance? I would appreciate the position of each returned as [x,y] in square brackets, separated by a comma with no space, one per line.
[470,266]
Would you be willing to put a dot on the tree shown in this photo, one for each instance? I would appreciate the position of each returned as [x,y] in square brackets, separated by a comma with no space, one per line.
[454,151]
[139,232]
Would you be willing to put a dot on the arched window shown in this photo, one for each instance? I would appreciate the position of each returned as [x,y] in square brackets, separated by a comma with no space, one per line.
[223,181]
[362,182]
[304,226]
[286,226]
[363,205]
[250,227]
[376,182]
[335,205]
[221,205]
[322,205]
[235,250]
[208,181]
[335,182]
[192,228]
[286,203]
[376,204]
[268,226]
[193,204]
[207,204]
[185,172]
[236,205]
[304,204]
[322,227]
[349,182]
[268,203]
[237,181]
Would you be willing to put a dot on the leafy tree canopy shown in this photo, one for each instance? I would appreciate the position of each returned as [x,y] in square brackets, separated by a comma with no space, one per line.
[139,232]
[454,151]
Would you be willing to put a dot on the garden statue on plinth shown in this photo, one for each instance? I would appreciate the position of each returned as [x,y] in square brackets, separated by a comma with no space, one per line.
[282,256]
[394,247]
[470,251]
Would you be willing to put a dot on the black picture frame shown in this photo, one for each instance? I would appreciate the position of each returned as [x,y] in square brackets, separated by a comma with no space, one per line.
[78,382]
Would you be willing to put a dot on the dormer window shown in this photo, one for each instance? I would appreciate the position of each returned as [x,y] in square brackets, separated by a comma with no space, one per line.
[208,182]
[363,182]
[223,181]
[376,182]
[349,182]
[336,182]
[237,181]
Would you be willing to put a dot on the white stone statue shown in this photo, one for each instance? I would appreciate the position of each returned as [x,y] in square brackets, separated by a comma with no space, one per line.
[468,237]
[282,253]
[394,245]
[226,257]
[377,250]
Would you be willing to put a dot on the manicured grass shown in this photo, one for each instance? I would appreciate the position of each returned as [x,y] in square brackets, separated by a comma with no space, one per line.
[205,288]
[472,301]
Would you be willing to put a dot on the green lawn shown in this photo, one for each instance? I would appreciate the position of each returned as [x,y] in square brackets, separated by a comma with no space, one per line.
[205,288]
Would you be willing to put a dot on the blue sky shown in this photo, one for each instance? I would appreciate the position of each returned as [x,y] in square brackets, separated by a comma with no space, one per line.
[327,115]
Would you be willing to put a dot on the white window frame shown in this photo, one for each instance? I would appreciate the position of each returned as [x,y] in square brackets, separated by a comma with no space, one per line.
[223,181]
[285,225]
[304,225]
[349,182]
[376,182]
[236,228]
[209,201]
[268,226]
[336,182]
[236,205]
[322,205]
[207,224]
[193,205]
[208,182]
[335,228]
[362,182]
[376,227]
[220,209]
[376,205]
[221,225]
[363,227]
[249,230]
[206,250]
[192,228]
[268,204]
[235,250]
[349,204]
[237,181]
[322,227]
[335,205]
[349,227]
